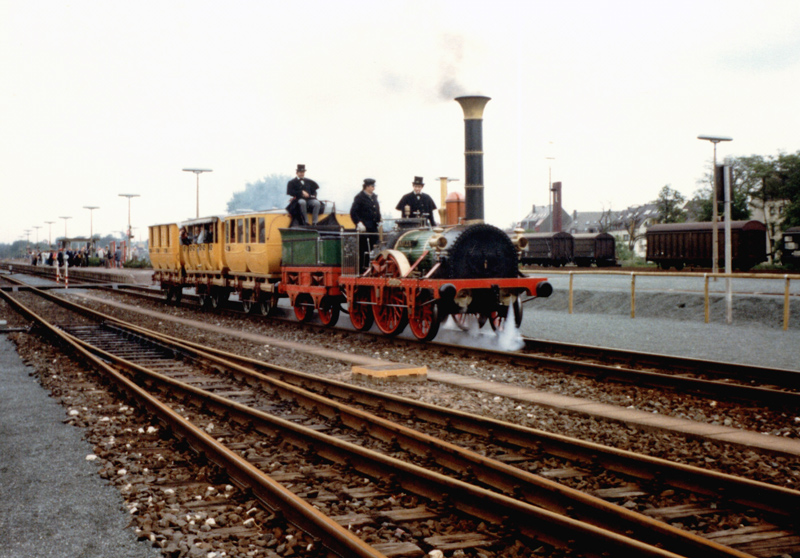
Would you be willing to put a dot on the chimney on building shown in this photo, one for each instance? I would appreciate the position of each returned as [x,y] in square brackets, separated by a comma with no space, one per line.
[556,217]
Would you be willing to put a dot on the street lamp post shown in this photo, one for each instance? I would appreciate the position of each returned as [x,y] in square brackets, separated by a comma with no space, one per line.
[49,234]
[714,210]
[197,173]
[129,196]
[91,209]
[65,227]
[37,227]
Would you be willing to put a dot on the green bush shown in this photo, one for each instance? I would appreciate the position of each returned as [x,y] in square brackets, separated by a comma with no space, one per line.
[137,264]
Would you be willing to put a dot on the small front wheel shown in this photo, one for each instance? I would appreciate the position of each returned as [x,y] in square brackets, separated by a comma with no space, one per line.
[303,307]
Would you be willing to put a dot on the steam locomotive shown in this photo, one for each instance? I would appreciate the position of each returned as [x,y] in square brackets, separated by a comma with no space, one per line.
[413,275]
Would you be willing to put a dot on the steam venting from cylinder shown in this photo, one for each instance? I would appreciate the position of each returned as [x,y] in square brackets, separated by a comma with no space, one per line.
[473,155]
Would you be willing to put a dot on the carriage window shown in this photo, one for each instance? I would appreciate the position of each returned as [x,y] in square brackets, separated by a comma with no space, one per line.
[253,230]
[262,232]
[240,230]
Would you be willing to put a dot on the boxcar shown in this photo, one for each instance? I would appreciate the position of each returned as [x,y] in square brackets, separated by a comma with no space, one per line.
[594,248]
[790,248]
[548,249]
[690,244]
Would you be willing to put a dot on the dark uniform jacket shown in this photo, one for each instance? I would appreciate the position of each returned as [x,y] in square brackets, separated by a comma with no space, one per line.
[365,209]
[422,205]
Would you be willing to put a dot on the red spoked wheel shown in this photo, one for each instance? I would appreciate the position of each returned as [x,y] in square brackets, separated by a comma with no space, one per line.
[329,311]
[360,310]
[303,307]
[390,309]
[423,318]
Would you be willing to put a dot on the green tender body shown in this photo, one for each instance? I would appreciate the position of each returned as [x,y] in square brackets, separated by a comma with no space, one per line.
[310,248]
[413,244]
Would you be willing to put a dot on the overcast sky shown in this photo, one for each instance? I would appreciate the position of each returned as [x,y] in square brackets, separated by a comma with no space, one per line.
[100,98]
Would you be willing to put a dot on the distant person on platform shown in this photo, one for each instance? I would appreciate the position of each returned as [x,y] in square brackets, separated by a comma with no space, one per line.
[303,192]
[365,211]
[417,204]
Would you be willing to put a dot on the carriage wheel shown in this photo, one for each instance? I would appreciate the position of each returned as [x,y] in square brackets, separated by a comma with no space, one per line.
[247,301]
[498,317]
[329,311]
[264,304]
[390,311]
[217,298]
[423,318]
[174,295]
[360,311]
[303,307]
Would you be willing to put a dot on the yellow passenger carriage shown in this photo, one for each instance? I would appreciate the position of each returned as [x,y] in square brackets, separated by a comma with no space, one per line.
[253,253]
[204,261]
[167,259]
[164,247]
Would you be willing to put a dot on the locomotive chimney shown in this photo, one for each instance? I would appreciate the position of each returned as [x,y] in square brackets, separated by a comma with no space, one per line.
[473,154]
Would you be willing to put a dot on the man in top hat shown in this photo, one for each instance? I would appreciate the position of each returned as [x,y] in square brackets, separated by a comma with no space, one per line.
[303,192]
[417,204]
[365,211]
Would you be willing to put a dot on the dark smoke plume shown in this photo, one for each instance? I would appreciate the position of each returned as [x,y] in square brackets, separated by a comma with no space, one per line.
[450,65]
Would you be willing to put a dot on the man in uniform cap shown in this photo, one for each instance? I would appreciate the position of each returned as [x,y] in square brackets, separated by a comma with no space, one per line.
[303,192]
[417,204]
[365,211]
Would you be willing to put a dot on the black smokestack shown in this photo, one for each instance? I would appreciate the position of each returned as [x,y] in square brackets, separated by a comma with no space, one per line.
[473,154]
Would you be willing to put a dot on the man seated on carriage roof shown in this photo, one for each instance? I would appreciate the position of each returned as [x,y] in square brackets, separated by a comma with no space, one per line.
[303,192]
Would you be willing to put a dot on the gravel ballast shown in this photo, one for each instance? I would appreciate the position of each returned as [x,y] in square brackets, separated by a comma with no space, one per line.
[52,502]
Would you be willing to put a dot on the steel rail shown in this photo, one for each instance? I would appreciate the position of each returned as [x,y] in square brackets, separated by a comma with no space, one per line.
[338,540]
[746,492]
[759,495]
[534,522]
[763,496]
[708,388]
[789,379]
[780,379]
[502,477]
[594,513]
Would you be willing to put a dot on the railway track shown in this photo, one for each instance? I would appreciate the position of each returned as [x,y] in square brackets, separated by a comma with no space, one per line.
[471,466]
[771,387]
[748,384]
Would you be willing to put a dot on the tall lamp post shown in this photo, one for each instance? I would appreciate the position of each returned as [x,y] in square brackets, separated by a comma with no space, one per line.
[197,173]
[49,234]
[65,227]
[91,209]
[129,196]
[714,210]
[37,227]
